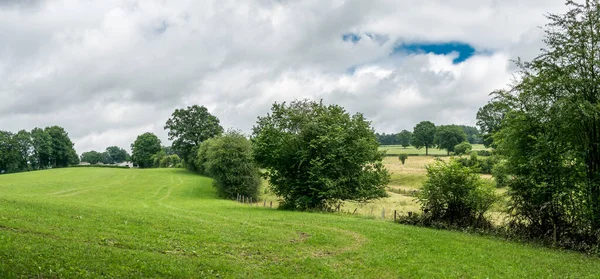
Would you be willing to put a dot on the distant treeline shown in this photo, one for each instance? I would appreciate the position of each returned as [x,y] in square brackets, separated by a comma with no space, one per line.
[404,138]
[37,149]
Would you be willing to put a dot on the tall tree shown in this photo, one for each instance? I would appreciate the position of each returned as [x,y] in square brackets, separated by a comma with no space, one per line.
[189,127]
[550,136]
[9,153]
[42,148]
[404,138]
[25,146]
[63,153]
[423,135]
[448,136]
[92,157]
[145,146]
[316,155]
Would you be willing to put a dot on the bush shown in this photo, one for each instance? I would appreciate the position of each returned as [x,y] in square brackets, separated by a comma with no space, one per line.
[462,148]
[500,173]
[228,160]
[403,157]
[455,194]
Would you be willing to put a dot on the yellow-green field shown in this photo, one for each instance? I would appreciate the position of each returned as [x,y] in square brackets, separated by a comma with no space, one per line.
[168,223]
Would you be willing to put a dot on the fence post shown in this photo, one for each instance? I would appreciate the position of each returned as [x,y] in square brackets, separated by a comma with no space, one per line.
[394,215]
[271,204]
[265,203]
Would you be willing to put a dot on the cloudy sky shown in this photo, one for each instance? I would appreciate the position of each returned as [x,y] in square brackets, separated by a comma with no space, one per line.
[108,70]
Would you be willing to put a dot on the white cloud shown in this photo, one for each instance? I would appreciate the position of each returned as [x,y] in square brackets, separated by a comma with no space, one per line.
[110,70]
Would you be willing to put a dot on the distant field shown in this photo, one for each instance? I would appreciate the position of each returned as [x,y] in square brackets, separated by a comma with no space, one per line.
[398,149]
[168,223]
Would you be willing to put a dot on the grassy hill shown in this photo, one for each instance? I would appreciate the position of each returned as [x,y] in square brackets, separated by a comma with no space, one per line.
[98,222]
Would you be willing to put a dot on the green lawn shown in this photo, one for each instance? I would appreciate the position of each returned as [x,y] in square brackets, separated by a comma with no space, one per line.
[99,222]
[397,149]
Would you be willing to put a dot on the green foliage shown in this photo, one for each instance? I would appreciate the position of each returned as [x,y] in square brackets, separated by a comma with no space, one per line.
[116,154]
[317,155]
[92,157]
[481,165]
[144,148]
[462,148]
[404,138]
[455,194]
[484,153]
[490,117]
[387,139]
[189,127]
[402,157]
[228,160]
[500,173]
[448,136]
[473,135]
[550,135]
[423,135]
[63,154]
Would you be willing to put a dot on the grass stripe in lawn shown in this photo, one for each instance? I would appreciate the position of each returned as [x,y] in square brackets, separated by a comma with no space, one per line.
[100,222]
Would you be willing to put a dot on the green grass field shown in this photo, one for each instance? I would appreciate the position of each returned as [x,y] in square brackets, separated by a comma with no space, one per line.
[398,149]
[168,223]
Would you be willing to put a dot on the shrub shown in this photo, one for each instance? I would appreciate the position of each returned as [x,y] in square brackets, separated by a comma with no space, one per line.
[402,157]
[462,148]
[228,160]
[455,194]
[484,153]
[500,173]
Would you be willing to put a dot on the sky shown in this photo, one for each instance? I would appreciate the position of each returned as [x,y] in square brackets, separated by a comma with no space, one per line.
[108,71]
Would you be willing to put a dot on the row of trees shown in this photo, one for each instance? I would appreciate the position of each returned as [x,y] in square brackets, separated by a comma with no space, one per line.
[147,152]
[405,138]
[112,155]
[37,149]
[426,134]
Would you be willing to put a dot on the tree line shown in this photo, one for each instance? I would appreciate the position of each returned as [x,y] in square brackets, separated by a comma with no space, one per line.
[37,149]
[404,138]
[112,155]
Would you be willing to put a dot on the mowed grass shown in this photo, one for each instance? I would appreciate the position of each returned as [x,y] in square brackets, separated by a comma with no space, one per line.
[168,223]
[398,149]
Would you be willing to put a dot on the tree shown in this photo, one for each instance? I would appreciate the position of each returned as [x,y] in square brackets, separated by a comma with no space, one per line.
[22,140]
[42,148]
[143,148]
[448,136]
[9,153]
[230,163]
[387,139]
[550,135]
[489,118]
[316,156]
[462,148]
[116,154]
[423,135]
[404,138]
[189,127]
[92,157]
[63,154]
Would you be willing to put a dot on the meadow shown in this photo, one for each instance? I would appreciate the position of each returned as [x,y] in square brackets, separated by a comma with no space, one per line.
[165,223]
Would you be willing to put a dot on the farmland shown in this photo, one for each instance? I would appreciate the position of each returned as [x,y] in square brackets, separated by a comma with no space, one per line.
[99,222]
[397,149]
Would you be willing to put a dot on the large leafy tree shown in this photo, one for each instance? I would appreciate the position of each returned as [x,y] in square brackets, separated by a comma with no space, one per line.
[23,142]
[62,154]
[116,154]
[404,138]
[550,135]
[424,135]
[145,146]
[189,127]
[448,136]
[42,148]
[9,153]
[92,157]
[316,155]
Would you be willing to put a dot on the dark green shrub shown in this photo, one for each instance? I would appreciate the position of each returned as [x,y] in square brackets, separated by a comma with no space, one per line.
[228,160]
[462,148]
[402,157]
[455,194]
[484,153]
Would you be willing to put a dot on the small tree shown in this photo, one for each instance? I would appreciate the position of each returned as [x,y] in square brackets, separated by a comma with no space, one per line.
[463,148]
[404,138]
[402,157]
[229,162]
[316,155]
[455,194]
[448,136]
